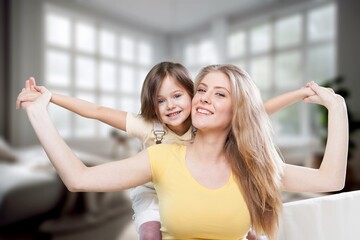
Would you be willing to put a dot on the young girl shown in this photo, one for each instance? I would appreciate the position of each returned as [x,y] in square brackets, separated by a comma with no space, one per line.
[164,118]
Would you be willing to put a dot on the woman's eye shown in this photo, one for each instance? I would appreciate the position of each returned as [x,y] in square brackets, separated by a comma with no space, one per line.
[177,95]
[201,90]
[221,94]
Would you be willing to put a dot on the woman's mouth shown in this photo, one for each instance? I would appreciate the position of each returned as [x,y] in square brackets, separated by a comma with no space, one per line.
[204,111]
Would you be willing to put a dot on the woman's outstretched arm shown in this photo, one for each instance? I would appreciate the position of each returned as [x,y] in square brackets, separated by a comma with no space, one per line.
[331,174]
[76,176]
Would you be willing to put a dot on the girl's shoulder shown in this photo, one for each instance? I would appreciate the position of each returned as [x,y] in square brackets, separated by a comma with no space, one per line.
[137,125]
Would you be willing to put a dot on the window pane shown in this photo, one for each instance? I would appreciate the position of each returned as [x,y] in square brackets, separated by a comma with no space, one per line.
[137,106]
[207,52]
[287,121]
[140,80]
[190,54]
[317,120]
[321,62]
[57,68]
[288,71]
[260,39]
[128,104]
[288,31]
[127,49]
[58,30]
[85,127]
[107,76]
[236,44]
[322,23]
[261,72]
[85,37]
[107,44]
[85,72]
[61,117]
[108,101]
[145,53]
[127,79]
[240,64]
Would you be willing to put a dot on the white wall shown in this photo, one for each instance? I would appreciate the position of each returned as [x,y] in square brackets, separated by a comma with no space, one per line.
[2,67]
[25,61]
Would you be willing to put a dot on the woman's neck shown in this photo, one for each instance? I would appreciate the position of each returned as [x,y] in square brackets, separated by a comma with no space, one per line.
[209,145]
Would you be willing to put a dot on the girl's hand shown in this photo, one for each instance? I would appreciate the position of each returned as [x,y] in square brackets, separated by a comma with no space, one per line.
[306,91]
[325,96]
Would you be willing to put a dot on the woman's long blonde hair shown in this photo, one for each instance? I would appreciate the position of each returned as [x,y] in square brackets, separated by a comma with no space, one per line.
[249,147]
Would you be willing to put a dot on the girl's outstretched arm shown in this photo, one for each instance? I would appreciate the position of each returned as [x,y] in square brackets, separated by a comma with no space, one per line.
[286,99]
[110,116]
[113,176]
[331,174]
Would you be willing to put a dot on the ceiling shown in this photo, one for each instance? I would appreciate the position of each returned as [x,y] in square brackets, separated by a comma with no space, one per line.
[172,16]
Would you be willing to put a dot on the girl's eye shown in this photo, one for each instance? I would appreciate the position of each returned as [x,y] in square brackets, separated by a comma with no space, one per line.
[177,95]
[201,90]
[220,94]
[160,101]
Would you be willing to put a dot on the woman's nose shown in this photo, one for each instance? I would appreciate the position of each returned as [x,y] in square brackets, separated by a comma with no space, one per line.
[205,98]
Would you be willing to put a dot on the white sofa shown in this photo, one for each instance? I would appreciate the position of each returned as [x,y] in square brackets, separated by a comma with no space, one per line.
[323,218]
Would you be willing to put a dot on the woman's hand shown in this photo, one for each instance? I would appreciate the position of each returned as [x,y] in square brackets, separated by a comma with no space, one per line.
[32,96]
[28,94]
[325,96]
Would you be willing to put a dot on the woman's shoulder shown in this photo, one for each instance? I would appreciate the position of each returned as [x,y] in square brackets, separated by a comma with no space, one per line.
[166,151]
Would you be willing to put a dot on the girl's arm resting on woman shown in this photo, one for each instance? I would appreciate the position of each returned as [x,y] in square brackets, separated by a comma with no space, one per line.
[276,103]
[331,174]
[111,176]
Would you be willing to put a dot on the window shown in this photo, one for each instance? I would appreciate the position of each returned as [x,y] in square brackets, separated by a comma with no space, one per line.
[86,59]
[237,44]
[284,53]
[288,31]
[199,54]
[260,39]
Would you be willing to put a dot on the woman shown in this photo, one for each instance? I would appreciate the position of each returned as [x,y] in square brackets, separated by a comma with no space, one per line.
[229,178]
[165,109]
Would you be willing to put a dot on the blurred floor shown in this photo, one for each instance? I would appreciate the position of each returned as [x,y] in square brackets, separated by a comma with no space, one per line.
[129,233]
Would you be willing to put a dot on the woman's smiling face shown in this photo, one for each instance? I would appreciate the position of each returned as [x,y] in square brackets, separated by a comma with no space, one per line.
[212,102]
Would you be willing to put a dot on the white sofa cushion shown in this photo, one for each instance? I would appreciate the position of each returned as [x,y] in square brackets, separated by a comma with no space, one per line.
[323,218]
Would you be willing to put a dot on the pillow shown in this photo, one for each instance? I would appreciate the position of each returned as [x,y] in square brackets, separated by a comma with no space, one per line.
[6,153]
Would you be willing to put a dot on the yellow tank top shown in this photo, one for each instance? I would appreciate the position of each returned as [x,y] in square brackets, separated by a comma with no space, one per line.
[188,210]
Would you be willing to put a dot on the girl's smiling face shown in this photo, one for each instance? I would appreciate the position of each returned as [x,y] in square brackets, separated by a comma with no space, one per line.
[174,106]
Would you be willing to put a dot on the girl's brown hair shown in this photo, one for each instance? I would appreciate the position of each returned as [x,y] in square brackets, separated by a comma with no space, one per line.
[250,150]
[153,81]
